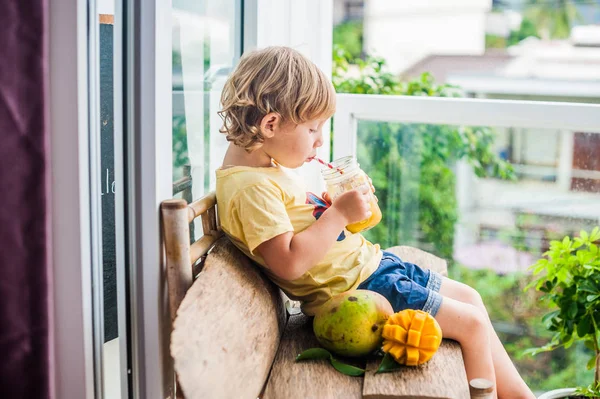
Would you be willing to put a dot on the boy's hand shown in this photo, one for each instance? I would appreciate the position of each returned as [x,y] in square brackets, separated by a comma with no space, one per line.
[373,189]
[354,205]
[325,195]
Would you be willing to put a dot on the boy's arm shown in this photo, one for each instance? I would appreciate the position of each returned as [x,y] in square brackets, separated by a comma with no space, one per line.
[290,255]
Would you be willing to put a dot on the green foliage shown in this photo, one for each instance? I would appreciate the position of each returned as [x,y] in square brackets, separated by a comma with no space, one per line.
[569,277]
[527,29]
[591,391]
[349,35]
[411,165]
[180,147]
[494,41]
[554,19]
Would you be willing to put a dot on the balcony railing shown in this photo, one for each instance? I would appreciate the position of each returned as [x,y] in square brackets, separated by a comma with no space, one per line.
[560,196]
[352,108]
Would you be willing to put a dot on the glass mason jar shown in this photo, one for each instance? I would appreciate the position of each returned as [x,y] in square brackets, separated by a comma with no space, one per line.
[347,175]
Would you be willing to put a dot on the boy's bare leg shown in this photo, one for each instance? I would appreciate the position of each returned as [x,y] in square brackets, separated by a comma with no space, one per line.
[466,324]
[509,383]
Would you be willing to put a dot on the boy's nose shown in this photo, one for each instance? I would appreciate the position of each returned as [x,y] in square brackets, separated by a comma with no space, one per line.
[319,141]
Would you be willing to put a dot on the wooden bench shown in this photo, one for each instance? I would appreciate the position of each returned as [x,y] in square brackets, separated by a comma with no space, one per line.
[234,337]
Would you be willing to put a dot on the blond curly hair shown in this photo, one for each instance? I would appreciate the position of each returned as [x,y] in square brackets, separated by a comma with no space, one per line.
[274,79]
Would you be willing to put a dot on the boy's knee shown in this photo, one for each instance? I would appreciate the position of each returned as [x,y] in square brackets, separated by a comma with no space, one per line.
[475,321]
[471,295]
[463,322]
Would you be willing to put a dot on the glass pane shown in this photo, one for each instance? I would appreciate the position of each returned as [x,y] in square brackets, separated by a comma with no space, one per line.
[206,46]
[491,229]
[535,49]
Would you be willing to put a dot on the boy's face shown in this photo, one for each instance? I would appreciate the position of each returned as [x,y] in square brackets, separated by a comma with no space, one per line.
[293,145]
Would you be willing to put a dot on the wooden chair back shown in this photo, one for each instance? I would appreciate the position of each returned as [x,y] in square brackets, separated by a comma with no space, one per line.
[227,316]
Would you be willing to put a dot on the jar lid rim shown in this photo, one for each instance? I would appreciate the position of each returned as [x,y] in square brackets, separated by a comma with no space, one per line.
[348,165]
[343,164]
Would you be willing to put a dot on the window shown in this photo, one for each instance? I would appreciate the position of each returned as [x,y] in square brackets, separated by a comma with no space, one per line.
[421,154]
[206,47]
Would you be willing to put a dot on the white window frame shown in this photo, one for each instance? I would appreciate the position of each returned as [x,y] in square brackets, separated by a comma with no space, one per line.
[70,121]
[146,124]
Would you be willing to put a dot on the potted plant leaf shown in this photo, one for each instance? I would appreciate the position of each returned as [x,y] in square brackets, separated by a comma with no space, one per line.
[569,276]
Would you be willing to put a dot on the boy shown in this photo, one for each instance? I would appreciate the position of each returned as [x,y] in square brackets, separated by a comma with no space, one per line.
[274,106]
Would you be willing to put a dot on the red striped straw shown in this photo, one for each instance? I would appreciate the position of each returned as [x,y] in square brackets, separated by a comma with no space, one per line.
[330,166]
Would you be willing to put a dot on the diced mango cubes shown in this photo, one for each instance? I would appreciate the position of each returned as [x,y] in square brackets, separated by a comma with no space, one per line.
[411,336]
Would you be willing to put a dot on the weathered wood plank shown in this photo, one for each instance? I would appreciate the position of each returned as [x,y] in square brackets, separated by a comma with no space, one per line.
[443,377]
[227,329]
[421,258]
[308,379]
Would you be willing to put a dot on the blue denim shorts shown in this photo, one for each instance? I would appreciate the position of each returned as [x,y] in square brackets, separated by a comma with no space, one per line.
[405,285]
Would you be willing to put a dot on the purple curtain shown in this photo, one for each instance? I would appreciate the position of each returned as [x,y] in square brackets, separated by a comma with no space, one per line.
[25,290]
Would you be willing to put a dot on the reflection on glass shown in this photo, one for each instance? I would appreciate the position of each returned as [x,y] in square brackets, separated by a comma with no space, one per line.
[206,46]
[491,214]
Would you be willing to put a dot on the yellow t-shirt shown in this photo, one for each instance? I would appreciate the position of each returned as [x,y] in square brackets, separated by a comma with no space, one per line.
[257,204]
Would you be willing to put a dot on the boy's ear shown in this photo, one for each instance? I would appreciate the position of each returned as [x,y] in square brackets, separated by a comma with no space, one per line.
[269,123]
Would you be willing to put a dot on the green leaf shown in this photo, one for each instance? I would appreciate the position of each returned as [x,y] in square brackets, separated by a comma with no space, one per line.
[314,353]
[573,310]
[589,345]
[595,236]
[388,364]
[570,341]
[591,298]
[546,348]
[550,315]
[322,354]
[588,286]
[591,363]
[346,368]
[584,326]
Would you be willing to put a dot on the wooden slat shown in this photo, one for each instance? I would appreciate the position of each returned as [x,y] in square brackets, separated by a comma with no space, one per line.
[227,329]
[443,377]
[420,258]
[177,248]
[210,219]
[201,247]
[308,379]
[200,206]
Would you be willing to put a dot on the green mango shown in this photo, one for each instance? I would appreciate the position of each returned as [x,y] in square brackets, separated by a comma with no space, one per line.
[350,323]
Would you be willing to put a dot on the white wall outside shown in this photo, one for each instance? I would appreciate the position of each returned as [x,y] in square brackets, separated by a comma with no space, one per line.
[403,32]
